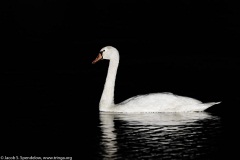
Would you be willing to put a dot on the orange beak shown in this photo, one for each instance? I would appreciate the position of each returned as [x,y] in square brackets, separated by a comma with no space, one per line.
[99,57]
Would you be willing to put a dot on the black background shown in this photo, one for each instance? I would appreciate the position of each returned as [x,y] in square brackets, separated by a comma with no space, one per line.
[51,90]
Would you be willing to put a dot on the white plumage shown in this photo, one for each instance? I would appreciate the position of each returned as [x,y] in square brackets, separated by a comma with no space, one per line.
[154,102]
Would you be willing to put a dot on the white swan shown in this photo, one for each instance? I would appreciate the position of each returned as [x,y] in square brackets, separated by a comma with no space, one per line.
[154,102]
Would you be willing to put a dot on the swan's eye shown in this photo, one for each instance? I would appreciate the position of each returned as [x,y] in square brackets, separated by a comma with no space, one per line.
[102,51]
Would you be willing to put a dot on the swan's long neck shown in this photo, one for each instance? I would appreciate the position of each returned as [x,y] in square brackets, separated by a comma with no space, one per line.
[107,99]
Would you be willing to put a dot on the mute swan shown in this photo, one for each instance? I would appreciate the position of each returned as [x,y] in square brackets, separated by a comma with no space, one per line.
[154,102]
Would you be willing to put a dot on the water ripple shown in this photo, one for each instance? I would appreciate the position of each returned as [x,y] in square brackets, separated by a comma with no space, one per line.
[159,136]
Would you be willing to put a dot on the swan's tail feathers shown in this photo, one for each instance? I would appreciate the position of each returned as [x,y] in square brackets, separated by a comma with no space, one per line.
[209,104]
[212,103]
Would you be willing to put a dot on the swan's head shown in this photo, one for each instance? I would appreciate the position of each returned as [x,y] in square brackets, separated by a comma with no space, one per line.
[107,52]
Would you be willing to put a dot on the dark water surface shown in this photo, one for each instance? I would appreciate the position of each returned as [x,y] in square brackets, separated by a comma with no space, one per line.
[198,135]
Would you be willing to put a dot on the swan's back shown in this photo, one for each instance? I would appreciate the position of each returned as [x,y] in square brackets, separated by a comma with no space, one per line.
[160,102]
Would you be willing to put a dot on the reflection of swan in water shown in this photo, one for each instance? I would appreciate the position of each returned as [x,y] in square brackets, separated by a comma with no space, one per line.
[157,102]
[155,131]
[176,118]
